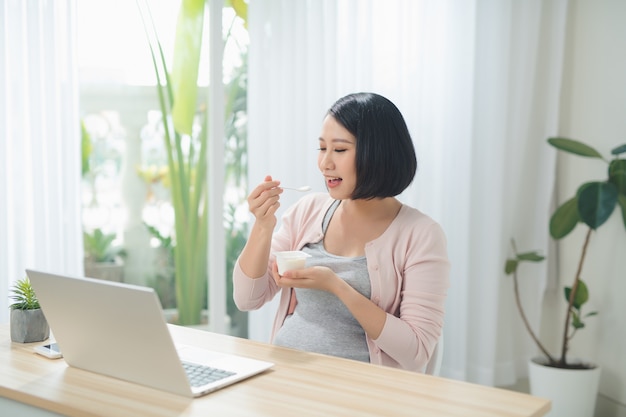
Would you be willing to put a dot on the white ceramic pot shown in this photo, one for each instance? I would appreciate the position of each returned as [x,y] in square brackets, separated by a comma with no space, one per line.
[573,392]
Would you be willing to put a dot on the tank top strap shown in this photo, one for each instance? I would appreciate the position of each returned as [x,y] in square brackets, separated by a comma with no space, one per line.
[329,215]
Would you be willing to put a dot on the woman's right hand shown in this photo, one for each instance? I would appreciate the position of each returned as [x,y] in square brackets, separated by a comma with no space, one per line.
[263,202]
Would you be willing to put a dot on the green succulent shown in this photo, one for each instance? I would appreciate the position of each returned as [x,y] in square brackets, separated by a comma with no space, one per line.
[24,296]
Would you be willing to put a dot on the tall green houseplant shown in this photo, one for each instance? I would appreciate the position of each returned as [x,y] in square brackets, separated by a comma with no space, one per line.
[592,205]
[186,154]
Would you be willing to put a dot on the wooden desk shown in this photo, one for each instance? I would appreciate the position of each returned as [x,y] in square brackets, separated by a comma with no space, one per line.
[300,384]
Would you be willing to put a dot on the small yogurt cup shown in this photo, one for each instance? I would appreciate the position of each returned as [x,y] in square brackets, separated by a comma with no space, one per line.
[290,260]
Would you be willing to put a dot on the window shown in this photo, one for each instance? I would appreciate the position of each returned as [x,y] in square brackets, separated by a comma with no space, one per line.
[127,209]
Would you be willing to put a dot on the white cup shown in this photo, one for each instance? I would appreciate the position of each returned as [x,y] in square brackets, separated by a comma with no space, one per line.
[290,260]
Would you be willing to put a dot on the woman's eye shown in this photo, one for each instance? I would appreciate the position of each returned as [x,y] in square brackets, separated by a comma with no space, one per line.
[336,150]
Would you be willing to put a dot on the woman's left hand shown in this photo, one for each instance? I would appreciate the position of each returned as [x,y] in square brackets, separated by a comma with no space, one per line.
[317,277]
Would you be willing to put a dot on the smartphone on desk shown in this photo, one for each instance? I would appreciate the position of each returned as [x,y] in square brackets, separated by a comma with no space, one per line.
[51,351]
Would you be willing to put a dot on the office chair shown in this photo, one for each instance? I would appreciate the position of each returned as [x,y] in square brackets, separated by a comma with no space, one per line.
[433,367]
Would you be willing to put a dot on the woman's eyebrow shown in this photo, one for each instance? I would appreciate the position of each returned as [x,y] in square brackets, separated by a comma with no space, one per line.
[337,140]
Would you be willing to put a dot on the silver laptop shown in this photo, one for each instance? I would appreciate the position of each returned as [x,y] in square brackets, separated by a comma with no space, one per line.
[119,330]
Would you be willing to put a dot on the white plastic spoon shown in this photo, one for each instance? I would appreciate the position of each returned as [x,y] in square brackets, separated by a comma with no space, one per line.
[303,188]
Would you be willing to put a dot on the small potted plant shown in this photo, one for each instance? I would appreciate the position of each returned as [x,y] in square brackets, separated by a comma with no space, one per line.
[592,205]
[28,323]
[103,259]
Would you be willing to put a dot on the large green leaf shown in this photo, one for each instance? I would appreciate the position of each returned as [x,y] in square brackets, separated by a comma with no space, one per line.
[617,174]
[619,149]
[187,47]
[596,202]
[241,9]
[581,296]
[564,219]
[575,147]
[621,199]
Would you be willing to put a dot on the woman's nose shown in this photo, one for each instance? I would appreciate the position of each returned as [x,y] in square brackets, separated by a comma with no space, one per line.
[326,161]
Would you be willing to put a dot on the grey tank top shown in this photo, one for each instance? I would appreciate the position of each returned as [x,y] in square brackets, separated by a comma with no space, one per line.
[321,323]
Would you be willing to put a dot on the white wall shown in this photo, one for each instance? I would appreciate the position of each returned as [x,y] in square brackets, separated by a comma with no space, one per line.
[593,109]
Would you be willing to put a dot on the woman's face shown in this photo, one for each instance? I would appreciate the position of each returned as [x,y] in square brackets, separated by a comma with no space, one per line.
[337,159]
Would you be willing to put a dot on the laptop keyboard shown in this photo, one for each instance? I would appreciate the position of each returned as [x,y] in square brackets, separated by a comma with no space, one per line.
[201,375]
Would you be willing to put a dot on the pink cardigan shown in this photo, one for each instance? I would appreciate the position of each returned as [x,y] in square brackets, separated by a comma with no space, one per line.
[409,272]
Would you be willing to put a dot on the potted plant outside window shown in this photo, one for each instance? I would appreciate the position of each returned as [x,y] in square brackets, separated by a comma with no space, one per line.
[103,259]
[28,323]
[592,205]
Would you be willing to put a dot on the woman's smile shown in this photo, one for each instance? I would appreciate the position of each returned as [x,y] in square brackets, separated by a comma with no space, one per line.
[333,182]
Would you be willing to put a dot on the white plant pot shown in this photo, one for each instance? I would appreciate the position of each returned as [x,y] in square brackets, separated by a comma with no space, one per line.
[573,392]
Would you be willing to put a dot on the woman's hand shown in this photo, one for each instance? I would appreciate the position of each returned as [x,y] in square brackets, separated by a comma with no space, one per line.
[263,203]
[316,277]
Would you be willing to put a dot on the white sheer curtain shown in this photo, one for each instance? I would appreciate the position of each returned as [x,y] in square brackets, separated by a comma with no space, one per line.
[478,83]
[39,142]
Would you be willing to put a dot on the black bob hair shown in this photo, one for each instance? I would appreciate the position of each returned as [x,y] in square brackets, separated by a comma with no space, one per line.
[385,156]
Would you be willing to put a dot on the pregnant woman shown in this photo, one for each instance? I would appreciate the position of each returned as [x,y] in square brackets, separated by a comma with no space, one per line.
[375,283]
